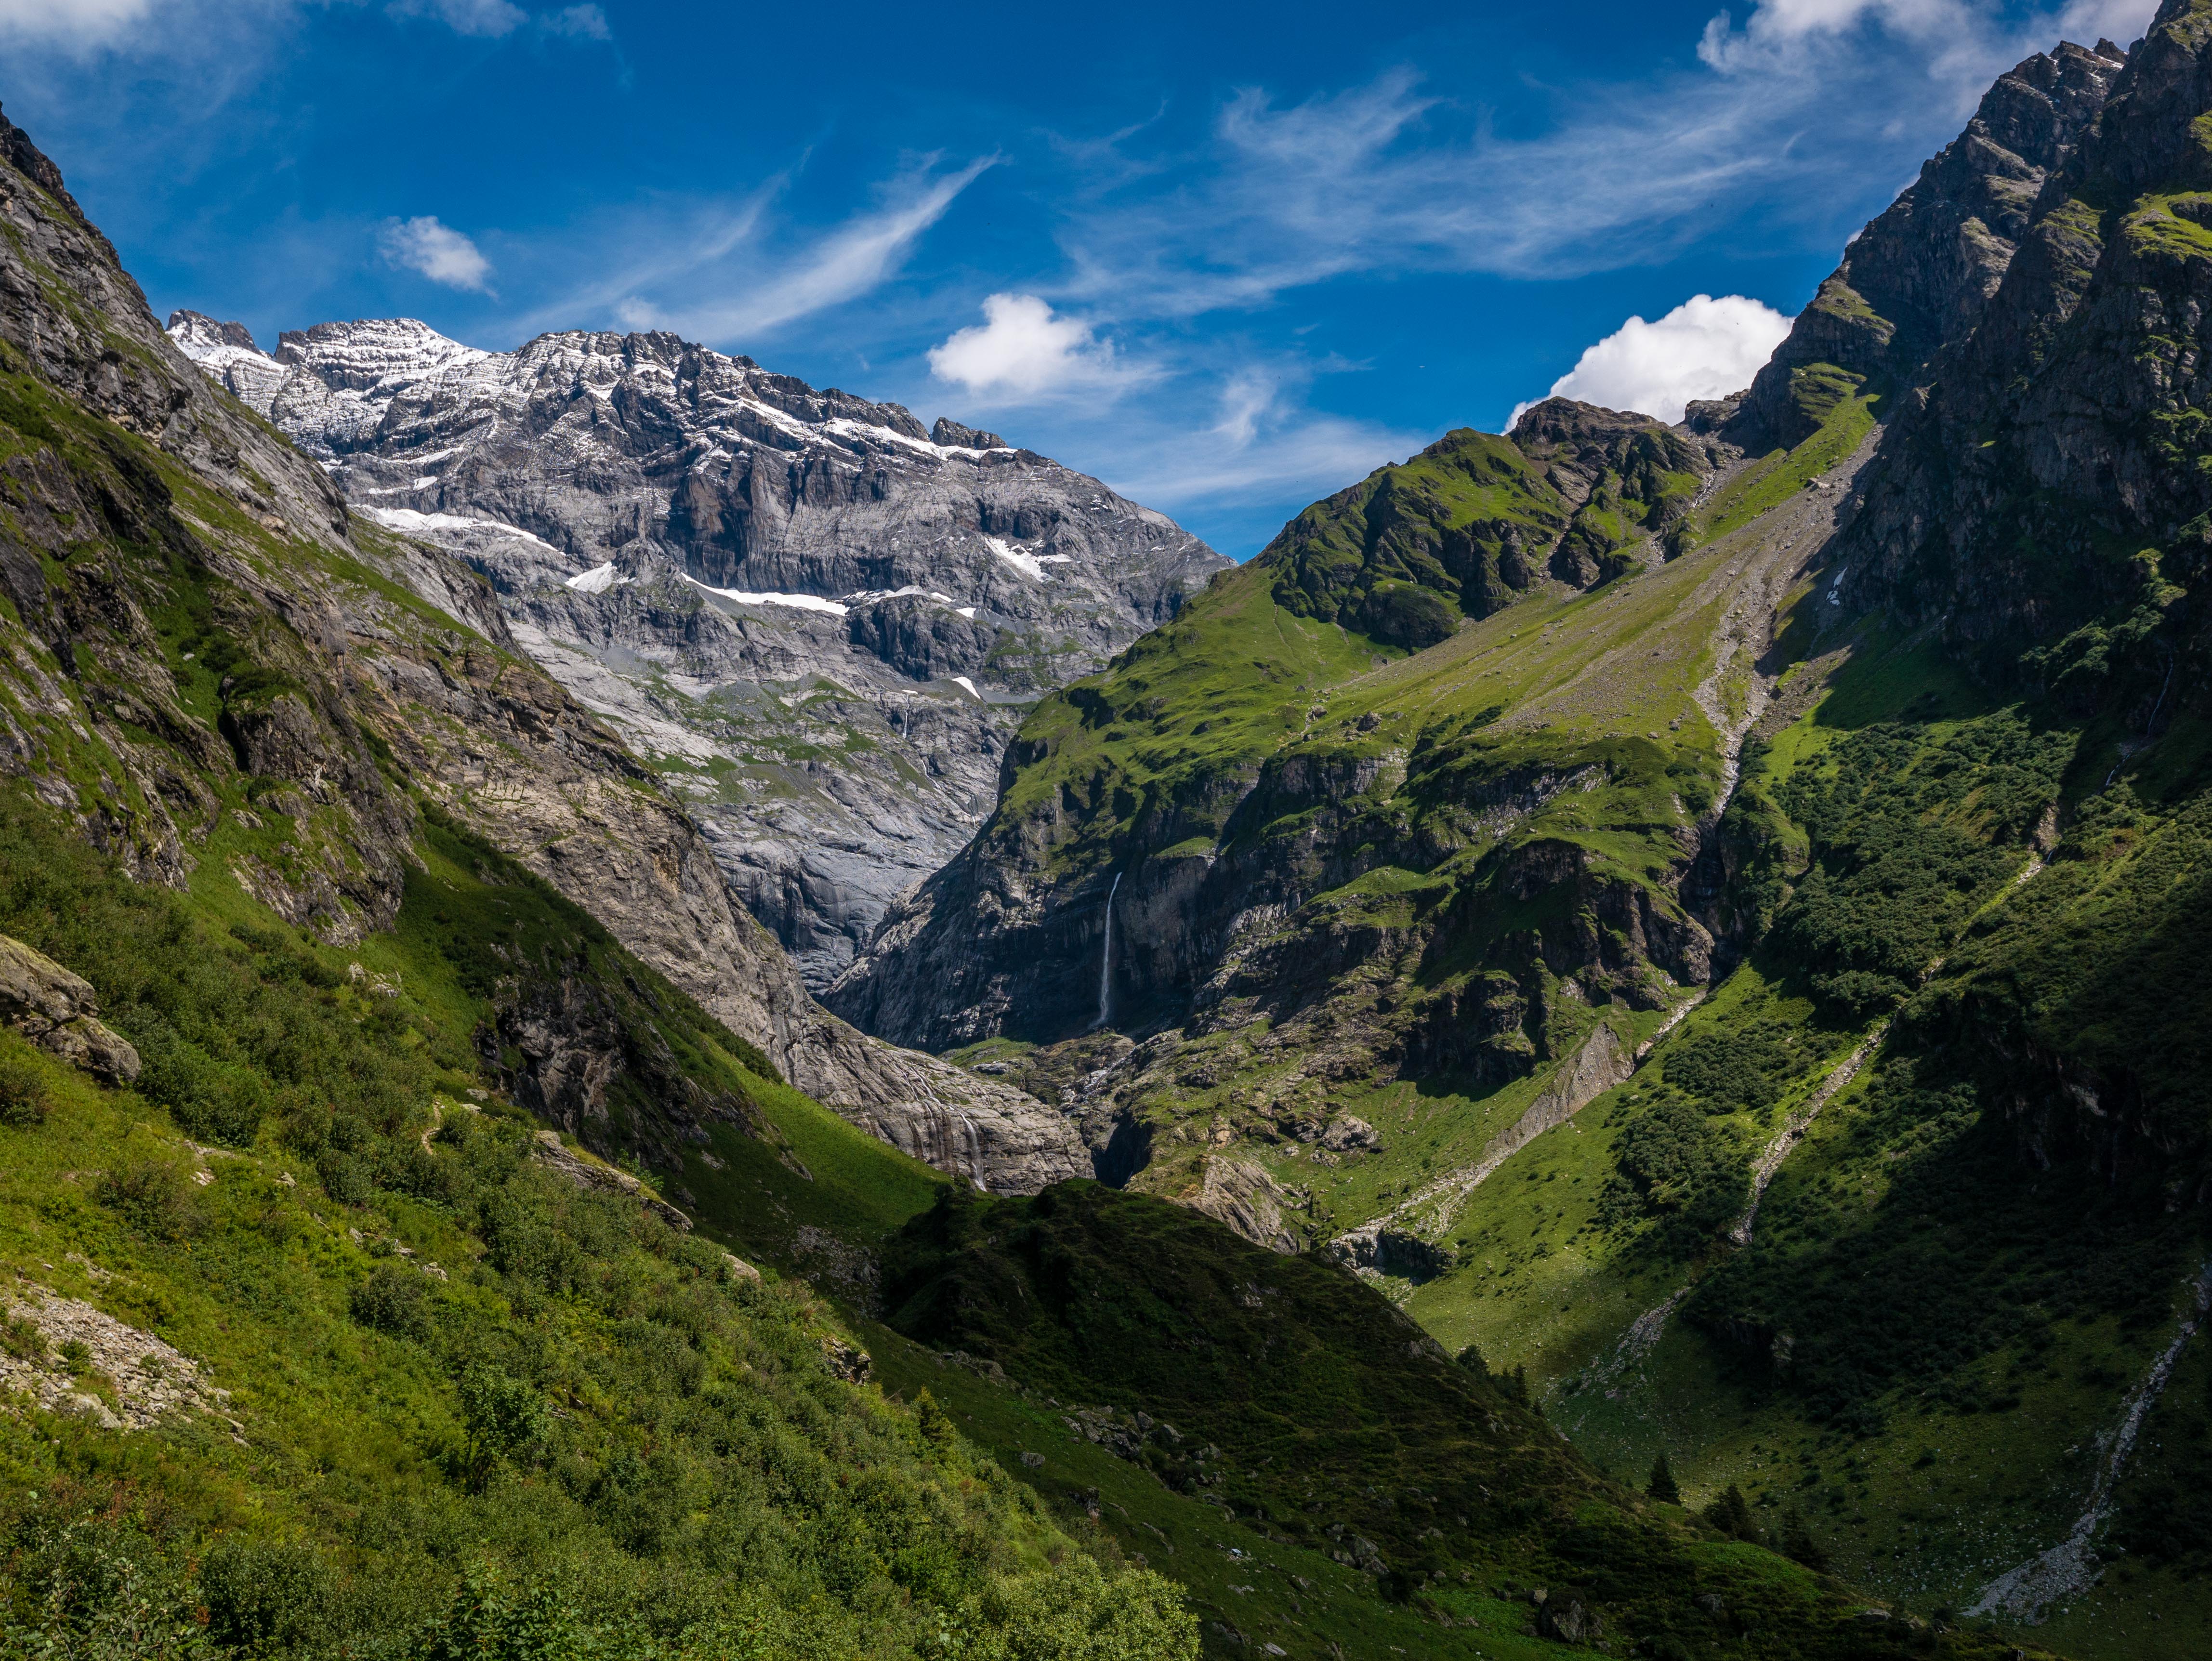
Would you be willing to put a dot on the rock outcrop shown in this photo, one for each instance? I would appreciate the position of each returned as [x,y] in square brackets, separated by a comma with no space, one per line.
[324,677]
[820,622]
[1919,274]
[57,1010]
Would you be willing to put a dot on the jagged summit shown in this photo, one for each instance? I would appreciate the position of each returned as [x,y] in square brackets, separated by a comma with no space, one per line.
[746,573]
[1920,272]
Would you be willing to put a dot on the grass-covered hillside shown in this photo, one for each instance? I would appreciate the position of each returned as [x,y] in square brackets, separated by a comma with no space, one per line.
[1268,1417]
[438,1397]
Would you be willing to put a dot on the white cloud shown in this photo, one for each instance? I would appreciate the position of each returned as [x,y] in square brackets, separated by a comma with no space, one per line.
[1784,111]
[79,27]
[1705,348]
[438,252]
[1021,350]
[852,259]
[578,22]
[1966,44]
[70,23]
[492,18]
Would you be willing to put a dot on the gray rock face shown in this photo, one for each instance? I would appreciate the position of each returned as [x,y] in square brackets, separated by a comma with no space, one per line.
[367,686]
[1921,272]
[55,1009]
[820,622]
[2053,466]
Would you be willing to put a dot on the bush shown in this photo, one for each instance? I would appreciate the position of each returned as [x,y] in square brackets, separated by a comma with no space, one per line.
[22,1086]
[504,1417]
[153,1197]
[345,1179]
[391,1300]
[213,1100]
[266,1598]
[1077,1613]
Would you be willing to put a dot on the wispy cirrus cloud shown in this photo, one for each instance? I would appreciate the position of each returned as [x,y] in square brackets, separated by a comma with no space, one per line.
[169,27]
[733,286]
[1393,176]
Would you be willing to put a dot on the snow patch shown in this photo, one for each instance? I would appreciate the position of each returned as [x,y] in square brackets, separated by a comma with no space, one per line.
[1026,563]
[406,519]
[797,602]
[597,581]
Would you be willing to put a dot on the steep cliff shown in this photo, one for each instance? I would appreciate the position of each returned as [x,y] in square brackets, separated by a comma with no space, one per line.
[1918,277]
[820,621]
[215,663]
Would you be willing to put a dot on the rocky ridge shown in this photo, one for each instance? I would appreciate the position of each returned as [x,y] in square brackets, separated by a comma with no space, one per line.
[1920,272]
[1304,901]
[821,622]
[215,659]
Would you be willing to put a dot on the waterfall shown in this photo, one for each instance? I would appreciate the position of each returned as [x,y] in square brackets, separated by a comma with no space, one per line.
[1106,961]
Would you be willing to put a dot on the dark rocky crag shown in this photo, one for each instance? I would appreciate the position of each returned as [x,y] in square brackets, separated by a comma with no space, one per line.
[822,621]
[201,624]
[1919,274]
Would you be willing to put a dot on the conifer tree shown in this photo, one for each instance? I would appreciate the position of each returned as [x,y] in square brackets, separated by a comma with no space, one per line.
[1662,1486]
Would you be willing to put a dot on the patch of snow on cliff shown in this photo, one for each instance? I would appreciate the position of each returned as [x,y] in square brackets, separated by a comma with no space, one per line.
[799,602]
[418,524]
[597,581]
[1027,564]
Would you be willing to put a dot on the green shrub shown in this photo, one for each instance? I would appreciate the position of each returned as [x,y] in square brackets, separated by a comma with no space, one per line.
[266,1598]
[504,1418]
[154,1197]
[345,1179]
[391,1300]
[1077,1613]
[22,1085]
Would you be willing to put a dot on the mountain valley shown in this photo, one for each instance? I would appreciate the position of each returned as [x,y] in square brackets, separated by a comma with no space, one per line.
[649,1011]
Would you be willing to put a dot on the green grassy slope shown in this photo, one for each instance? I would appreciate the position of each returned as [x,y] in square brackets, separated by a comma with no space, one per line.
[1272,1408]
[469,1398]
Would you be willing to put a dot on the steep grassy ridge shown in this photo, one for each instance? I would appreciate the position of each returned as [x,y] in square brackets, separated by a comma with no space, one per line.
[474,1407]
[1279,1390]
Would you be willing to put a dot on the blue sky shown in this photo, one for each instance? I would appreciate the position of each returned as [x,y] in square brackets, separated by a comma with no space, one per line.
[1227,258]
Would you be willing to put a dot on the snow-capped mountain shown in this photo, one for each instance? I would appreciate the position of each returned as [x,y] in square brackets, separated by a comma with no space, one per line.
[825,619]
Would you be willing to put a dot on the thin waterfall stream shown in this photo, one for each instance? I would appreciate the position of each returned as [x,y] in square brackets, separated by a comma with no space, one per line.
[1106,961]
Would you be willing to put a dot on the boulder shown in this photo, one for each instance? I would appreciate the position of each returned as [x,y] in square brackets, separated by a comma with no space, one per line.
[56,1010]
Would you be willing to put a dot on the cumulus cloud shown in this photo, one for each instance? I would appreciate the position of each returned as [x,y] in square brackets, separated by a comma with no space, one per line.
[1022,350]
[437,251]
[1705,348]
